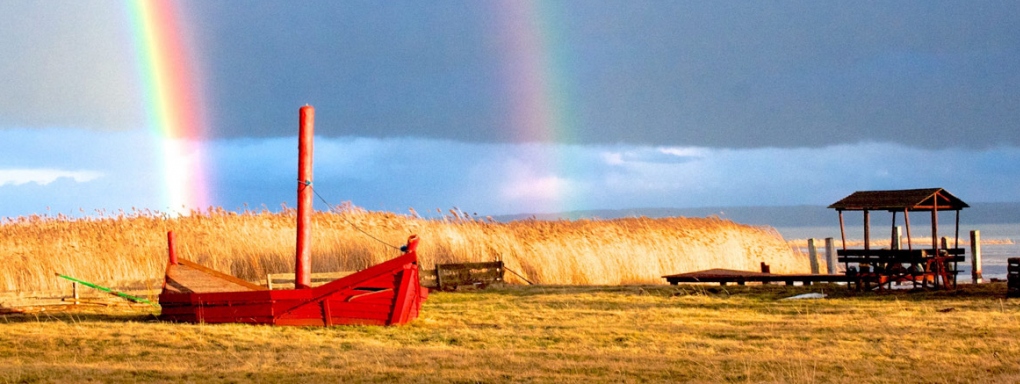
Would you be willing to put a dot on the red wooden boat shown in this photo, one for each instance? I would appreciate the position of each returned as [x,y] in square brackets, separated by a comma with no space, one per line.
[384,294]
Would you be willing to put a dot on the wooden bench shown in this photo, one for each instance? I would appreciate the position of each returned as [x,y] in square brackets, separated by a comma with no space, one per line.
[880,267]
[449,277]
[316,279]
[902,256]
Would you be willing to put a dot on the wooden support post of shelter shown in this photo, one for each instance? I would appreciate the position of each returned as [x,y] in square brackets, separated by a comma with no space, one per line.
[906,221]
[842,228]
[892,238]
[867,229]
[956,244]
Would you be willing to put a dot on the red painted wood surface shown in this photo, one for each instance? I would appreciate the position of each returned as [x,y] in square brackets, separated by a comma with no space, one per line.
[306,135]
[384,294]
[171,245]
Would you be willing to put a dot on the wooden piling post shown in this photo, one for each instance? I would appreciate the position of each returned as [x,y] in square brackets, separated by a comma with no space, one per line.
[813,254]
[975,256]
[830,256]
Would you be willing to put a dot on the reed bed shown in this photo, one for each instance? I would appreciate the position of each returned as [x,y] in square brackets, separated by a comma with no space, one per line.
[129,249]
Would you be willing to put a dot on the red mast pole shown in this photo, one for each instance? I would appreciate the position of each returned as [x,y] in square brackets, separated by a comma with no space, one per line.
[303,267]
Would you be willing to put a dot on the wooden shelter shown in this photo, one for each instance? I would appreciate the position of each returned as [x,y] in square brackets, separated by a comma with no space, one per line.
[881,266]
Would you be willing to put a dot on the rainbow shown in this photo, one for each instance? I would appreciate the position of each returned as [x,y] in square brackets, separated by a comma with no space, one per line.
[536,84]
[173,100]
[535,77]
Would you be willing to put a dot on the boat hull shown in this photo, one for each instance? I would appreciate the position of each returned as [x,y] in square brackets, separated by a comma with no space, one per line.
[388,293]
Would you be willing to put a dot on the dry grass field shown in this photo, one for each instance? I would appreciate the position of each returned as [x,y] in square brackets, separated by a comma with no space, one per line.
[600,314]
[553,334]
[129,250]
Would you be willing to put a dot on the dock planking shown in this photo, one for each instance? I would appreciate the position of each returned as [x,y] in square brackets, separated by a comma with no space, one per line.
[725,276]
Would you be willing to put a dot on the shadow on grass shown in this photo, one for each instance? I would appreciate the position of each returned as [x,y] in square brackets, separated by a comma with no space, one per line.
[754,293]
[763,292]
[78,313]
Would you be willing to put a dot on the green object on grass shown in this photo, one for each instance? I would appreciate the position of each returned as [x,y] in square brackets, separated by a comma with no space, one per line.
[108,290]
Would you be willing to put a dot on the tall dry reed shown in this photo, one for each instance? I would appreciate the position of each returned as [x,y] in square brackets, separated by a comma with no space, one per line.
[129,249]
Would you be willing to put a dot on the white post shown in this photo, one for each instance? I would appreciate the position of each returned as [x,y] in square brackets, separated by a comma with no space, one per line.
[813,252]
[975,256]
[898,237]
[830,255]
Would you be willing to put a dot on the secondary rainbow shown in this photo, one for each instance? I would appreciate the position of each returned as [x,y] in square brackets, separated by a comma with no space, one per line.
[536,84]
[173,102]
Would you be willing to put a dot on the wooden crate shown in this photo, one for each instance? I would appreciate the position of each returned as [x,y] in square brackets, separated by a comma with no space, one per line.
[449,277]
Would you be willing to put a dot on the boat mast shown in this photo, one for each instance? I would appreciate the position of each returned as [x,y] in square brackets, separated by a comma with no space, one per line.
[303,265]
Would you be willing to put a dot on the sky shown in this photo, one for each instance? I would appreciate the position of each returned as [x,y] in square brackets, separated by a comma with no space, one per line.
[504,107]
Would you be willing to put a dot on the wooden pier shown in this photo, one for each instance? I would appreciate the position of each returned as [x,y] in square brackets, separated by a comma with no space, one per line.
[725,276]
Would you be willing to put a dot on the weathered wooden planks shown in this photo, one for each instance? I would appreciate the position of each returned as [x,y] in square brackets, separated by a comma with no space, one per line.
[725,276]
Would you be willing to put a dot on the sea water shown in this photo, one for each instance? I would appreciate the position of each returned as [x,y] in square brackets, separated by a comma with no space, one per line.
[993,252]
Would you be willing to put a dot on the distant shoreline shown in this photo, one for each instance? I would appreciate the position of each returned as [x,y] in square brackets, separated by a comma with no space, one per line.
[781,216]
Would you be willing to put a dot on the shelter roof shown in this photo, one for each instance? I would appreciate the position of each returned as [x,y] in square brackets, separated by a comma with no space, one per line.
[925,199]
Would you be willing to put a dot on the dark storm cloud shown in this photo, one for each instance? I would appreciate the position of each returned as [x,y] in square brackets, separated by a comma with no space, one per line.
[714,74]
[730,74]
[393,69]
